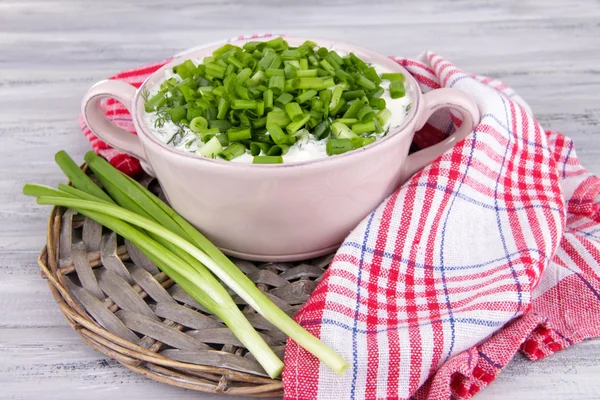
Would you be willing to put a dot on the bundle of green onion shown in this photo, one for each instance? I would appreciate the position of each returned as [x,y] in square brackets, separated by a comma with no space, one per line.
[264,97]
[180,251]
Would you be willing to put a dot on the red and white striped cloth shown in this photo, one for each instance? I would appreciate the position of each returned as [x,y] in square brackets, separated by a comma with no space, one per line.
[491,249]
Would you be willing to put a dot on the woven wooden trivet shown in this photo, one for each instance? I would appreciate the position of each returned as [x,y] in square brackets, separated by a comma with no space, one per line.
[124,307]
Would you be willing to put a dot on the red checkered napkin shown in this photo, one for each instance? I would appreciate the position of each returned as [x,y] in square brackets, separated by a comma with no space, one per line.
[492,248]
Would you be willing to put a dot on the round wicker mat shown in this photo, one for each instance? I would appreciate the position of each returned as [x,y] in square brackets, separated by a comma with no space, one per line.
[123,306]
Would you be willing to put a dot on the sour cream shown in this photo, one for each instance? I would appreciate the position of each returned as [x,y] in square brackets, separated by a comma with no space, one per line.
[303,150]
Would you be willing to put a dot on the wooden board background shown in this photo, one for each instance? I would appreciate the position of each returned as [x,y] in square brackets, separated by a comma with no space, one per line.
[52,51]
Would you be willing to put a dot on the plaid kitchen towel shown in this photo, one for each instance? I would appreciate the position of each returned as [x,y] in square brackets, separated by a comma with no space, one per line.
[491,249]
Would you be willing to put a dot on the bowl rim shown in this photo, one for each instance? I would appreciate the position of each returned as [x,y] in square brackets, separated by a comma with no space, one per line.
[137,109]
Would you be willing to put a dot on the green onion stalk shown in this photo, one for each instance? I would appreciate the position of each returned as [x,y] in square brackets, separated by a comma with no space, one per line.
[180,250]
[194,279]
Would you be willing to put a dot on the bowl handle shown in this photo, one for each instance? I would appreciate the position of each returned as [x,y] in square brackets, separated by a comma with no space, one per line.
[435,100]
[96,120]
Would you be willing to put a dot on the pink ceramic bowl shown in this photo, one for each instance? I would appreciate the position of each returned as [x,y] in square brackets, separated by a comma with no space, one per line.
[279,212]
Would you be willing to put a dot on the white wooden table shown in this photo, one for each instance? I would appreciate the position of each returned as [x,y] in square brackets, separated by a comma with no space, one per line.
[51,52]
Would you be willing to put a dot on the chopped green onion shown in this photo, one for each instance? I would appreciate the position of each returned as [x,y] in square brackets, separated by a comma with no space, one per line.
[283,99]
[207,134]
[215,70]
[277,134]
[311,83]
[322,130]
[242,92]
[290,85]
[364,127]
[304,97]
[393,76]
[277,43]
[383,116]
[341,131]
[344,76]
[244,75]
[259,122]
[366,83]
[278,117]
[257,78]
[291,54]
[262,137]
[336,97]
[397,89]
[316,104]
[274,72]
[326,95]
[276,84]
[188,93]
[347,121]
[278,150]
[295,125]
[377,104]
[177,113]
[234,150]
[276,63]
[361,141]
[256,148]
[267,160]
[221,125]
[237,134]
[340,104]
[327,67]
[239,104]
[338,146]
[198,124]
[306,73]
[252,46]
[293,63]
[352,111]
[155,101]
[211,113]
[267,59]
[211,149]
[372,75]
[268,99]
[378,92]
[365,113]
[353,94]
[223,108]
[223,138]
[294,111]
[260,108]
